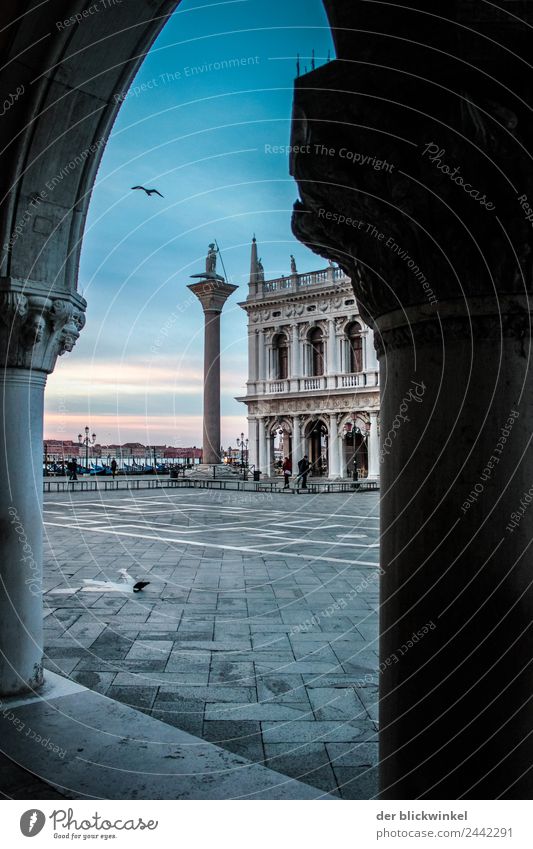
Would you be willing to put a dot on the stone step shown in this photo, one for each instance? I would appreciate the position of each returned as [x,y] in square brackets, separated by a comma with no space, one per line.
[87,746]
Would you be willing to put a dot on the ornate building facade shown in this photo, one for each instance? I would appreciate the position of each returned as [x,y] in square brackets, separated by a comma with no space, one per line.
[313,379]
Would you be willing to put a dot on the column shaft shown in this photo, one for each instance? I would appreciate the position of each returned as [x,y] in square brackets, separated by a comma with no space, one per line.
[212,387]
[296,360]
[21,484]
[455,701]
[373,447]
[333,448]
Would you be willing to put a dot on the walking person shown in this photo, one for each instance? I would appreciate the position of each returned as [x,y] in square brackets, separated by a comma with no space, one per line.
[113,467]
[287,471]
[72,467]
[303,469]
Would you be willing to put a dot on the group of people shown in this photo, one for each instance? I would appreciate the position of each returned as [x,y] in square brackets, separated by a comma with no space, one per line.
[303,471]
[72,469]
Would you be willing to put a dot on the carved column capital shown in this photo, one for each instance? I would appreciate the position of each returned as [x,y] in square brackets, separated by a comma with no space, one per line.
[37,326]
[421,195]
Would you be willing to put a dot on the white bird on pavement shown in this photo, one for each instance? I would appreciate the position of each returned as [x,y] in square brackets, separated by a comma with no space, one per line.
[127,584]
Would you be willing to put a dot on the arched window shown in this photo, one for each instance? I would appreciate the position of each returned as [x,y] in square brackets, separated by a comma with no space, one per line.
[316,341]
[281,357]
[355,347]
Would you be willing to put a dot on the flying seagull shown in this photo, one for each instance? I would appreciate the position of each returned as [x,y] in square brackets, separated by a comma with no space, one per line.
[149,192]
[126,584]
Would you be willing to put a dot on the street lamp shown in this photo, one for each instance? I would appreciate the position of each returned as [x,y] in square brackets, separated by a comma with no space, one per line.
[242,443]
[86,441]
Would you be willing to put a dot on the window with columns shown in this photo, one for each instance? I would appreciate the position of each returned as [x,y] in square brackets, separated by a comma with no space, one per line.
[316,342]
[355,348]
[280,350]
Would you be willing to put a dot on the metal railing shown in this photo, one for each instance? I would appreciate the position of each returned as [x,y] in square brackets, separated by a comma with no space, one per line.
[230,485]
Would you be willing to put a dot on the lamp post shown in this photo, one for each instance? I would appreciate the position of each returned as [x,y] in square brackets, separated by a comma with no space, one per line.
[242,443]
[86,441]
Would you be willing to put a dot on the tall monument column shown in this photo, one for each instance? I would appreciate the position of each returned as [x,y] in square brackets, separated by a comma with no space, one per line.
[212,291]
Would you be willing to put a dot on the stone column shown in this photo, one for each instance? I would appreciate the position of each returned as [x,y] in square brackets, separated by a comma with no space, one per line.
[263,459]
[334,470]
[296,360]
[33,331]
[262,356]
[252,355]
[373,446]
[442,272]
[341,457]
[332,357]
[212,295]
[253,442]
[268,449]
[297,449]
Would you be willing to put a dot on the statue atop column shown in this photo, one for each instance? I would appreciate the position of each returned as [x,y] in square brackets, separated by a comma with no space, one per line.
[294,270]
[260,271]
[210,272]
[211,260]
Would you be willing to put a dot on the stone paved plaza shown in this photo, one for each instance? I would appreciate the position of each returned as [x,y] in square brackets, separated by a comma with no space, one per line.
[258,630]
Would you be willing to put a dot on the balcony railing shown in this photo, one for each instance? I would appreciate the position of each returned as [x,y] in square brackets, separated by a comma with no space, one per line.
[331,382]
[301,281]
[311,383]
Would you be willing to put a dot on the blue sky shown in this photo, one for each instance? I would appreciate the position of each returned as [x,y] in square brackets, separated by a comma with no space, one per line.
[197,134]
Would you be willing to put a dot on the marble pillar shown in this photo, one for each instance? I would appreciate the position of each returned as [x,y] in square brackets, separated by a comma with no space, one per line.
[442,272]
[297,448]
[212,294]
[35,329]
[334,470]
[373,446]
[263,458]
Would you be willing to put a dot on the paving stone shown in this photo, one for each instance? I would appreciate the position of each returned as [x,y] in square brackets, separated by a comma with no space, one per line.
[357,782]
[97,681]
[243,738]
[353,754]
[148,649]
[137,697]
[213,693]
[336,703]
[223,671]
[282,689]
[260,711]
[312,732]
[308,762]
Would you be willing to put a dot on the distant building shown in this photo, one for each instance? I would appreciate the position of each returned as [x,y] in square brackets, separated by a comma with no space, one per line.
[313,378]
